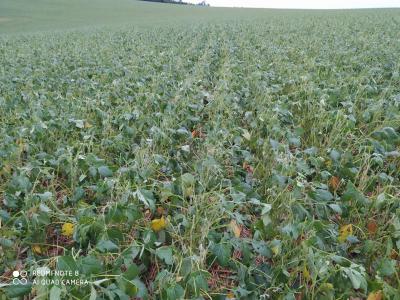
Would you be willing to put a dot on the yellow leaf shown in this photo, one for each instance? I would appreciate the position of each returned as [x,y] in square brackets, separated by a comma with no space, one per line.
[377,295]
[158,224]
[276,250]
[306,273]
[344,232]
[230,295]
[328,163]
[235,228]
[67,229]
[36,249]
[327,286]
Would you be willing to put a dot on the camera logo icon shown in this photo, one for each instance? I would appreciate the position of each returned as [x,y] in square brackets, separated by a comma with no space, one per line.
[20,277]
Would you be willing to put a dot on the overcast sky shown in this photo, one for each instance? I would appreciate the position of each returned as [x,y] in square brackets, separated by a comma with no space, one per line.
[317,4]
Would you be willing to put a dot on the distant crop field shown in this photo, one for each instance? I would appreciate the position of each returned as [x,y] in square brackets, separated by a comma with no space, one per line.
[26,16]
[152,151]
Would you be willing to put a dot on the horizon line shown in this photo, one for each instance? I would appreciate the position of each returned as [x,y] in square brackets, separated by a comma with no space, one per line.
[303,8]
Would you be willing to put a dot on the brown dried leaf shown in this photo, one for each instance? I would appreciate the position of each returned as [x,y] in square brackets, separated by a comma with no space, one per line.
[235,228]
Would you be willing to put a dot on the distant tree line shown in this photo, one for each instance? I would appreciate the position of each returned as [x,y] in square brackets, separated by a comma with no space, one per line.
[202,3]
[168,1]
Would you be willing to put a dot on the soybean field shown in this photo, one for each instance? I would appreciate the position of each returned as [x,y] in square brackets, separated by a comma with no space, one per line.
[156,151]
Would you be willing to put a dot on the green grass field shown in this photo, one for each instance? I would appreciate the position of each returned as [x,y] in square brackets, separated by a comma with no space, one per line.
[23,16]
[46,15]
[157,151]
